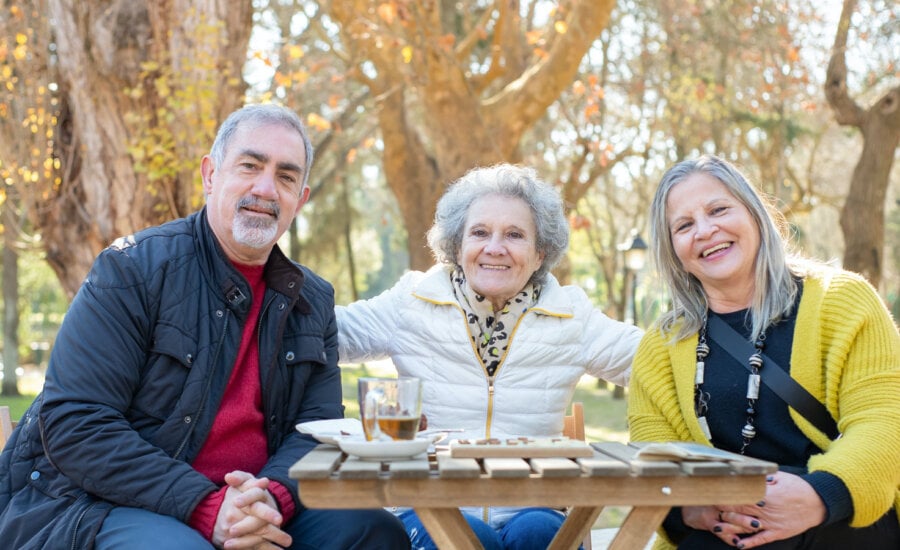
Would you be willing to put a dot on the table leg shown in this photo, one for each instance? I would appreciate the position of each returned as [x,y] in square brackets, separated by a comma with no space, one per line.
[638,527]
[577,525]
[448,528]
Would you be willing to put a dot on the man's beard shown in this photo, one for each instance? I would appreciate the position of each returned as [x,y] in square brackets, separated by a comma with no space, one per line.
[255,231]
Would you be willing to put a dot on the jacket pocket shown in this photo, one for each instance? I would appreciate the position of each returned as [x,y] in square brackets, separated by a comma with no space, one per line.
[300,349]
[169,363]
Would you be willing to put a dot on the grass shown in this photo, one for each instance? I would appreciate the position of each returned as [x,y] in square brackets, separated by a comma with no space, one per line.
[604,416]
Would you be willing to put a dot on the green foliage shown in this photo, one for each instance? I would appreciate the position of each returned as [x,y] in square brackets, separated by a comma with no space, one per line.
[165,141]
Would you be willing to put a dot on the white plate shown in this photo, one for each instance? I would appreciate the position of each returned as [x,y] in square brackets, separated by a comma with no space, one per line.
[384,450]
[330,431]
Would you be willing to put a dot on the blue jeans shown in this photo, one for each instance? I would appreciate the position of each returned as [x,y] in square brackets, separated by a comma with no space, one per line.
[530,529]
[138,529]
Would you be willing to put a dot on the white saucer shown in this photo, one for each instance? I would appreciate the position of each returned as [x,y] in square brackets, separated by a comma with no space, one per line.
[384,450]
[330,431]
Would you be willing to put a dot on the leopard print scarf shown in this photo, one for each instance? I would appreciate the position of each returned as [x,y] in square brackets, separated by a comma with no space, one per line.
[488,329]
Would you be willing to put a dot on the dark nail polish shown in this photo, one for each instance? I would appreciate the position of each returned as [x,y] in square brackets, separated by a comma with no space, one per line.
[735,540]
[761,503]
[740,545]
[770,478]
[717,529]
[754,524]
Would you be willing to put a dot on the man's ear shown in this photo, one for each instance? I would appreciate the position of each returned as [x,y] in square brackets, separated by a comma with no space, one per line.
[207,167]
[304,196]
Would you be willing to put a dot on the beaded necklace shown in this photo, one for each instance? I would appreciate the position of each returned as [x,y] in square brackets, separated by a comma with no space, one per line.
[701,398]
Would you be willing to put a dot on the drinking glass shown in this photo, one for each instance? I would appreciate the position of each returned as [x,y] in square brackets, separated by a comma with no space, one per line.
[390,407]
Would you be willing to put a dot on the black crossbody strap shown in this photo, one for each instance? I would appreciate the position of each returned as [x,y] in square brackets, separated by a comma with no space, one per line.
[775,377]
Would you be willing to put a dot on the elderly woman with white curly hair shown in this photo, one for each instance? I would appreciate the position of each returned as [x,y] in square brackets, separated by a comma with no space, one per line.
[498,342]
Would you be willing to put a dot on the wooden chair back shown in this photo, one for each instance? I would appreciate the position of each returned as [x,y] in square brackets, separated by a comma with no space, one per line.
[573,424]
[6,425]
[573,428]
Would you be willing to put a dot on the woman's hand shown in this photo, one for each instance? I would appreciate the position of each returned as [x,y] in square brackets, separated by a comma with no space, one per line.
[790,507]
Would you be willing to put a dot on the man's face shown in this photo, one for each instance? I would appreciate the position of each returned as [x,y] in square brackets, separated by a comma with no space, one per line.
[258,190]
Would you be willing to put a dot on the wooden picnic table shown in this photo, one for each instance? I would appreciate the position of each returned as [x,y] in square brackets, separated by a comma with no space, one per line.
[436,484]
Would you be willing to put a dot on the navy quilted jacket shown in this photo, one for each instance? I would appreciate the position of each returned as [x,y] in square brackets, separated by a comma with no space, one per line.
[136,376]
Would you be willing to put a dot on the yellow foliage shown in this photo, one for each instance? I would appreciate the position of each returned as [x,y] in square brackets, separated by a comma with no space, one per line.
[295,52]
[318,122]
[561,27]
[21,38]
[20,52]
[407,53]
[6,72]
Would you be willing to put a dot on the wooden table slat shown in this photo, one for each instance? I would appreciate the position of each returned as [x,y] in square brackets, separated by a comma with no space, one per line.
[317,464]
[555,467]
[406,469]
[603,465]
[506,467]
[753,466]
[706,468]
[354,468]
[457,468]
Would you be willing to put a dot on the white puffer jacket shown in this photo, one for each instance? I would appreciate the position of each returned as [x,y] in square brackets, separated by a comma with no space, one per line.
[419,325]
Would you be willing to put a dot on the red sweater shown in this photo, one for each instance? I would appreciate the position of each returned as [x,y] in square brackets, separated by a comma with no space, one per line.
[237,440]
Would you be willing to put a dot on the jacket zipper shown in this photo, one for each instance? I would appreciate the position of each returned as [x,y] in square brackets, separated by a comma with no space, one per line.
[78,524]
[205,395]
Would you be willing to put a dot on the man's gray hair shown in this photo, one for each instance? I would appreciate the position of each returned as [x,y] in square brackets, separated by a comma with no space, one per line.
[256,115]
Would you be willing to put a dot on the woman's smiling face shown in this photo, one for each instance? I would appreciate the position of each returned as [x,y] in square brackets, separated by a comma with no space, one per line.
[715,238]
[498,251]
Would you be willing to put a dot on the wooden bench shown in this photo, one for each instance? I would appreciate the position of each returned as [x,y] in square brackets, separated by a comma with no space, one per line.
[7,425]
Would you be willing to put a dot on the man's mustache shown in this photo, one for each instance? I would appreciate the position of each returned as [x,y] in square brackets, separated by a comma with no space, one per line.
[253,202]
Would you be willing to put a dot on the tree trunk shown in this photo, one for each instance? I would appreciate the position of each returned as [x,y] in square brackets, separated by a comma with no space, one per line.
[143,84]
[437,118]
[10,285]
[862,217]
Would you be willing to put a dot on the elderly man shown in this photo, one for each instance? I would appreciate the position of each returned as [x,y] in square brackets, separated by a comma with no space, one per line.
[184,363]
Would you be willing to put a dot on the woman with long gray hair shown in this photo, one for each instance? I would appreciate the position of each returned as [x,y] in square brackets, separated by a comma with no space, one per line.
[722,251]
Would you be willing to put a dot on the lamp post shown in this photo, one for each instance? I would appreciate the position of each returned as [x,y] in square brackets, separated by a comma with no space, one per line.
[635,255]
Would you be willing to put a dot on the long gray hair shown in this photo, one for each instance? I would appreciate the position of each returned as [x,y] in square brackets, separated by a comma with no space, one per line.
[256,115]
[774,269]
[552,239]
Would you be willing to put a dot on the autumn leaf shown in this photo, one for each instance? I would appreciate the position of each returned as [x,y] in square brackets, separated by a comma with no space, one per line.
[561,27]
[295,52]
[533,37]
[387,12]
[407,53]
[793,55]
[578,88]
[351,155]
[447,41]
[318,122]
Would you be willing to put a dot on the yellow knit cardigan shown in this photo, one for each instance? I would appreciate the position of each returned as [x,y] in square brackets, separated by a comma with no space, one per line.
[845,352]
